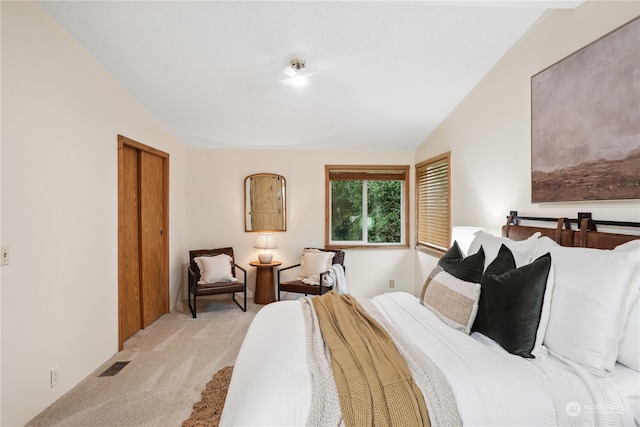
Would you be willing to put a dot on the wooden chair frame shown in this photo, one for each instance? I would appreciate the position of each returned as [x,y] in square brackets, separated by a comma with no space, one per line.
[298,286]
[218,288]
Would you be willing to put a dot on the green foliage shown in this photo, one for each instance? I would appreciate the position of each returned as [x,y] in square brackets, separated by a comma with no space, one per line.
[346,210]
[384,211]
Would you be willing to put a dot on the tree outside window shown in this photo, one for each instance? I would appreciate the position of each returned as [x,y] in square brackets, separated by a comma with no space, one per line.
[367,205]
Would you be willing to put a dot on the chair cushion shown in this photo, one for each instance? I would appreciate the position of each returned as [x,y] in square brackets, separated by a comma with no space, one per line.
[193,254]
[314,262]
[219,288]
[303,288]
[214,269]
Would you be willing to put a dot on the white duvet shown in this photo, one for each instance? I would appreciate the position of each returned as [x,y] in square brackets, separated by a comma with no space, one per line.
[271,384]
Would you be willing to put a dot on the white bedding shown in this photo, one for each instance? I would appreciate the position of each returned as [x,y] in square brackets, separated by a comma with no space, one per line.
[628,382]
[272,386]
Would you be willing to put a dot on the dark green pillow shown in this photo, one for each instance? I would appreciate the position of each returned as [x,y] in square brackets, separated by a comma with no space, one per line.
[468,269]
[511,302]
[503,262]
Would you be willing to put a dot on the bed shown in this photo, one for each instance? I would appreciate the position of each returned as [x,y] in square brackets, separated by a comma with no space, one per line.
[580,366]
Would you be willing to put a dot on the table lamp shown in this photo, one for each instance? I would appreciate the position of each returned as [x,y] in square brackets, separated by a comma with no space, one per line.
[265,241]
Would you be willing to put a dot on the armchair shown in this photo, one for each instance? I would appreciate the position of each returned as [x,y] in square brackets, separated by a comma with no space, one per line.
[299,286]
[213,272]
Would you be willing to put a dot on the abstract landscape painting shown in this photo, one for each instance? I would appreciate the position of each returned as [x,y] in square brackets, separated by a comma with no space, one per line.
[585,122]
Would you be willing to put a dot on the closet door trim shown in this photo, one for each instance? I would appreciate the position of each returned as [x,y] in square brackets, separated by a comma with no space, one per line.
[122,141]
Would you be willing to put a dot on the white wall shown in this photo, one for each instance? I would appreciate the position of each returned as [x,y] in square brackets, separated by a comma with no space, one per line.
[61,116]
[488,134]
[215,180]
[0,223]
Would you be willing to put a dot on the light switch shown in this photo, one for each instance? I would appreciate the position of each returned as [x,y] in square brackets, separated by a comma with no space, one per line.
[4,255]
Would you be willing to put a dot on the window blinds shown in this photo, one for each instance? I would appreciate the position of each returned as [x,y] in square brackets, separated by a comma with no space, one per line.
[433,204]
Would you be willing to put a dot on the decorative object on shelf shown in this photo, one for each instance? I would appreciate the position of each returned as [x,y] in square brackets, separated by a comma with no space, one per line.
[585,122]
[265,241]
[265,202]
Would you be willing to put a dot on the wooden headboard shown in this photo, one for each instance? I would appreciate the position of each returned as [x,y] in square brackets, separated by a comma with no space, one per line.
[585,236]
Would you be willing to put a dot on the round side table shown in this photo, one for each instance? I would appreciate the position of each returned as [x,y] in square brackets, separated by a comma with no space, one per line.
[265,286]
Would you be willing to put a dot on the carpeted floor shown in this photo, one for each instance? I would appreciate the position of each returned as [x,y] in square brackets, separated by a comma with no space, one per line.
[171,362]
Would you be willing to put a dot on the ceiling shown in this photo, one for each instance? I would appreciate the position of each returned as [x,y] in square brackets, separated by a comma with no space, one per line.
[388,72]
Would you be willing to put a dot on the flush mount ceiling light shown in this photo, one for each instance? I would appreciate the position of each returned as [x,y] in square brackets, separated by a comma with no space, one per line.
[297,73]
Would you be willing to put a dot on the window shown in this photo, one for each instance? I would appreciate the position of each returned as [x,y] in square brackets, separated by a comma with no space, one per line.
[366,206]
[433,203]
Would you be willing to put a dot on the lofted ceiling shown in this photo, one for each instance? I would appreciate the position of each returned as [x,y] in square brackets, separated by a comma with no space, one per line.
[388,71]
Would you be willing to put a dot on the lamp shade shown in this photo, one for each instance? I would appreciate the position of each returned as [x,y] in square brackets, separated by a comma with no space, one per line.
[265,241]
[464,236]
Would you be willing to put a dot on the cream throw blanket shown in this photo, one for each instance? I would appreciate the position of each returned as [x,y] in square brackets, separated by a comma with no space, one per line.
[362,369]
[325,407]
[335,276]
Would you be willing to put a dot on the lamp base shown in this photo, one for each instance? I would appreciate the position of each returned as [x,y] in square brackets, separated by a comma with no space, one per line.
[265,257]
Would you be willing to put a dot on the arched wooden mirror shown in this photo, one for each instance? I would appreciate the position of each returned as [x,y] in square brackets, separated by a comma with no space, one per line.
[264,203]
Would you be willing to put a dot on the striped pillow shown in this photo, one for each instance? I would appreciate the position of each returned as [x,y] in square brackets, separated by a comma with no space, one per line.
[453,300]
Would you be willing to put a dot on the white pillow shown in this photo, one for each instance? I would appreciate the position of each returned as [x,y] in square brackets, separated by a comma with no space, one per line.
[538,349]
[314,262]
[592,294]
[631,245]
[522,250]
[542,246]
[214,269]
[629,345]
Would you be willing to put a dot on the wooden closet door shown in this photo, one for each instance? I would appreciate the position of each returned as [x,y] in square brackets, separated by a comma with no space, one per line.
[143,246]
[152,253]
[129,304]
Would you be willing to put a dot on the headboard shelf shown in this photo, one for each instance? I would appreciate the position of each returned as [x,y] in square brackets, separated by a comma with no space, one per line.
[515,220]
[586,235]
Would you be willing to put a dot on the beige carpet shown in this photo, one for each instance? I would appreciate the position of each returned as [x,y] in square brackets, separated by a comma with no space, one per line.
[171,362]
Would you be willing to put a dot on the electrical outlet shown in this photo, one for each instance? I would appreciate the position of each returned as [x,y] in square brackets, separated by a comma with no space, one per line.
[4,255]
[392,283]
[53,374]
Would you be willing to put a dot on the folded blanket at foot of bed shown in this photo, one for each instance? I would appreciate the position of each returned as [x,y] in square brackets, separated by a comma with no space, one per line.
[364,376]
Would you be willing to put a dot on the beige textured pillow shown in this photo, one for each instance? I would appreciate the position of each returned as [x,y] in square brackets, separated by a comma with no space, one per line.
[214,269]
[314,262]
[453,300]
